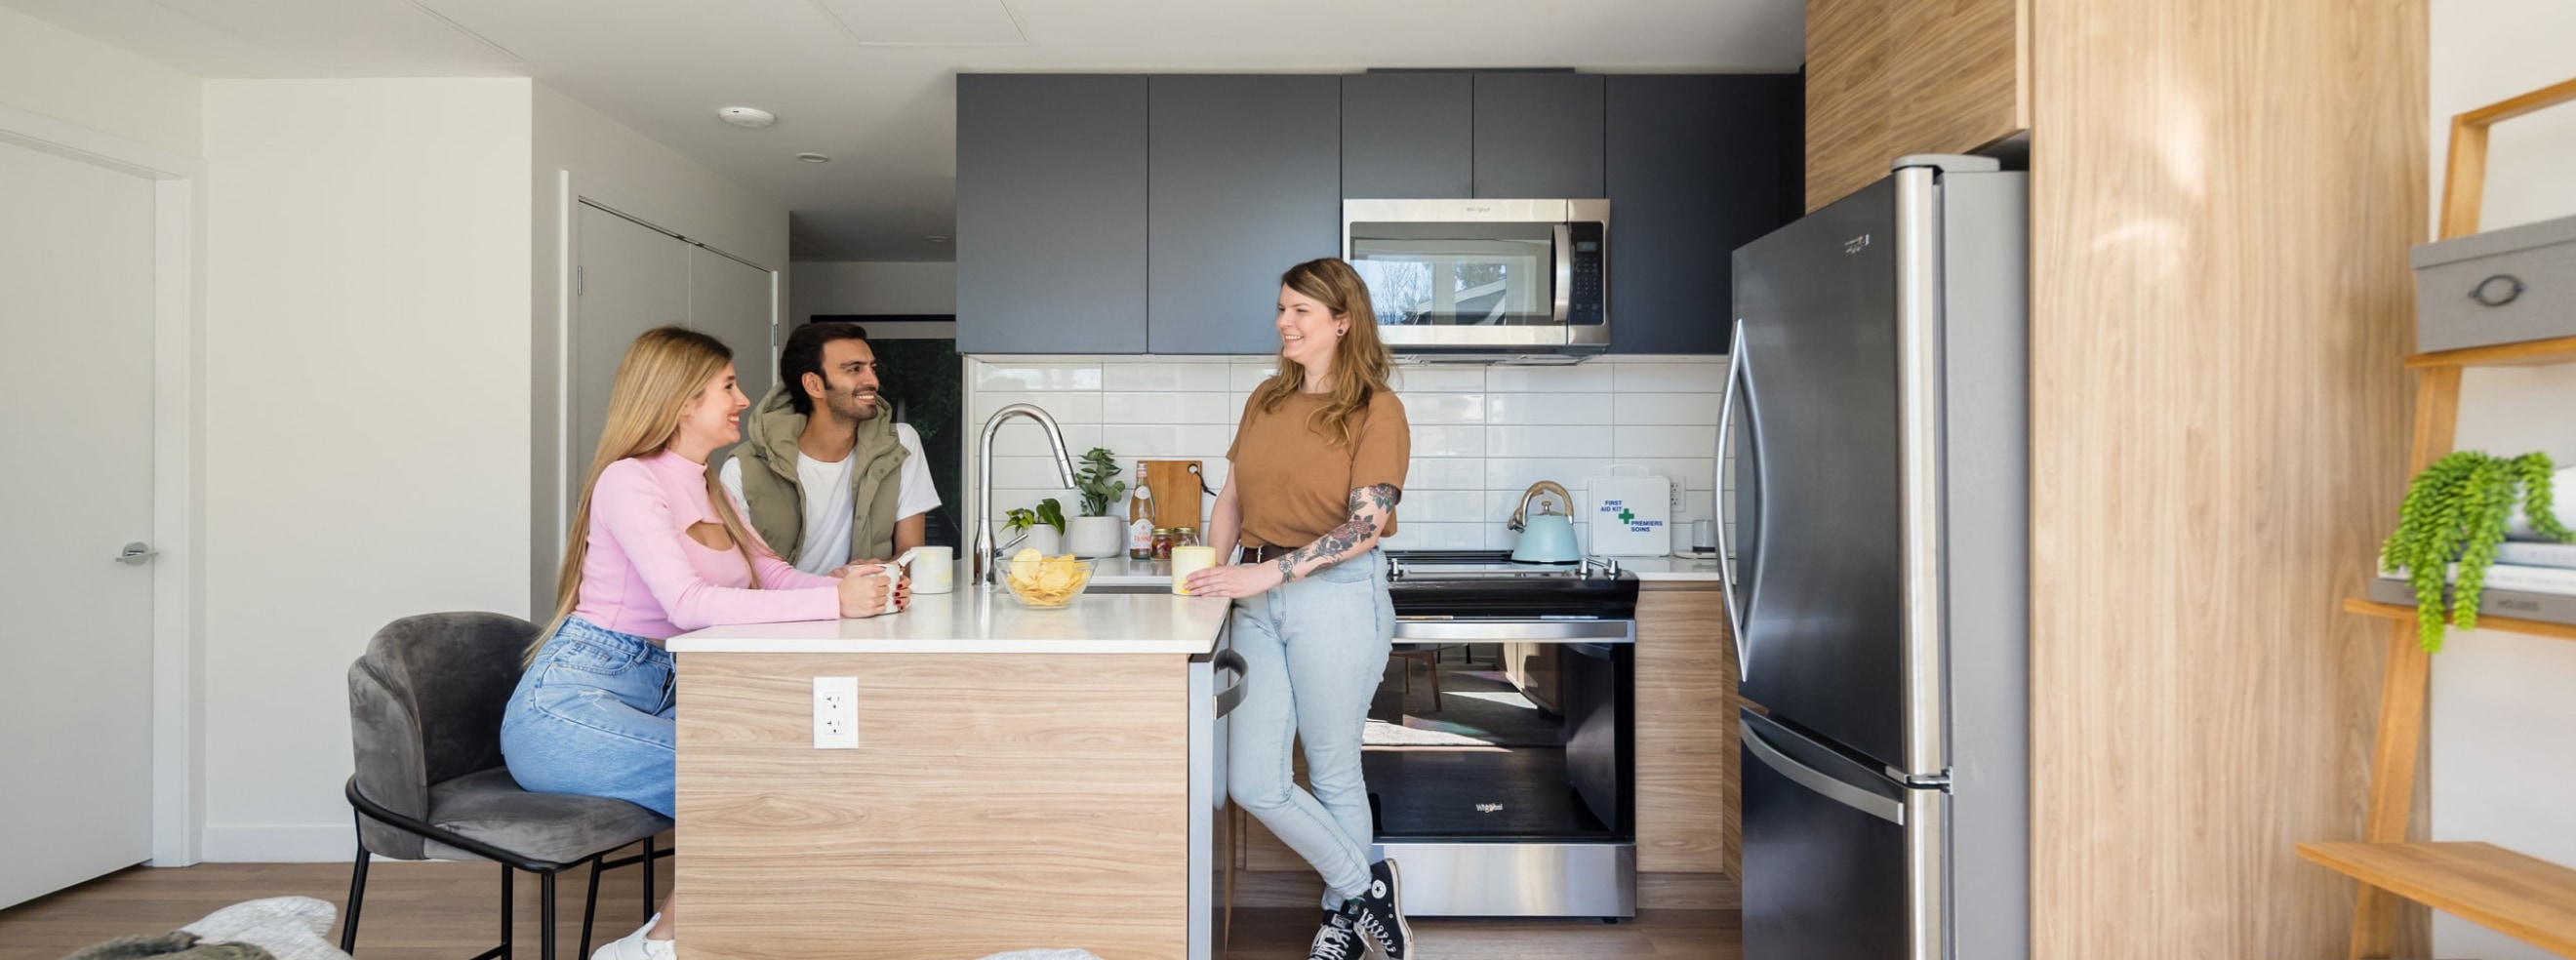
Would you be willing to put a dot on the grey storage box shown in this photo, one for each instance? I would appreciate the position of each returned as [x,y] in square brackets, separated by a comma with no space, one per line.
[2501,286]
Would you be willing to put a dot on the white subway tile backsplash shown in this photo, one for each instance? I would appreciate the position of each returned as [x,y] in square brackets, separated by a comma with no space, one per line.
[1667,441]
[1067,407]
[1547,442]
[1028,377]
[1207,408]
[1246,375]
[1439,409]
[1516,409]
[1593,377]
[1203,377]
[1448,441]
[1023,438]
[1696,409]
[1415,378]
[1481,435]
[1444,473]
[1698,377]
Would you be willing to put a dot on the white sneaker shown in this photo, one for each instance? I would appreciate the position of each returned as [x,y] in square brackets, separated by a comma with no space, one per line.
[637,946]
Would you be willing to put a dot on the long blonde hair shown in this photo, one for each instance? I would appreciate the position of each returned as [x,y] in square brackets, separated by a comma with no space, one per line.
[663,370]
[1361,365]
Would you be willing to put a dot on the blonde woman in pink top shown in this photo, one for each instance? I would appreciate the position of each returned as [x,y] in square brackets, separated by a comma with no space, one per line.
[659,550]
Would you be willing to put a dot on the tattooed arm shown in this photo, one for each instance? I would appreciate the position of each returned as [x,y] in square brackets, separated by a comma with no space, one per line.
[1370,507]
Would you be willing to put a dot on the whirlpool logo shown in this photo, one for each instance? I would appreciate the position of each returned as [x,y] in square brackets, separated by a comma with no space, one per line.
[1855,244]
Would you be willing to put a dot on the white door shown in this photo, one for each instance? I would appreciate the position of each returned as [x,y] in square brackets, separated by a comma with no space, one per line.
[631,278]
[76,300]
[730,299]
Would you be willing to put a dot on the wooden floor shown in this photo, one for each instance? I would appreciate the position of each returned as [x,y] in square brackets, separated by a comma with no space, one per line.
[448,911]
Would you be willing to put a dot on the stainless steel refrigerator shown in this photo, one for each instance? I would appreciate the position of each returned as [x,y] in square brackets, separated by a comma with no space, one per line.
[1877,407]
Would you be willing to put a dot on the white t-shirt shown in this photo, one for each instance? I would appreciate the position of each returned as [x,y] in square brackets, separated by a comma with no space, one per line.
[827,499]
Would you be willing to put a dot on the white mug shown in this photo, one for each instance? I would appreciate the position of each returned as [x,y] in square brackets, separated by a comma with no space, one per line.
[893,570]
[1189,560]
[934,569]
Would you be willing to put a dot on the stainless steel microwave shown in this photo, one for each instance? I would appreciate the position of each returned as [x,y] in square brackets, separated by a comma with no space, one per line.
[1497,277]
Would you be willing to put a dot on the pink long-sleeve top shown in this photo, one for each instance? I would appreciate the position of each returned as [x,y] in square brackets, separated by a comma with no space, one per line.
[644,575]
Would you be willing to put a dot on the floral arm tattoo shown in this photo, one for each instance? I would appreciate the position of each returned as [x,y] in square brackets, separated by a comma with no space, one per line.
[1370,507]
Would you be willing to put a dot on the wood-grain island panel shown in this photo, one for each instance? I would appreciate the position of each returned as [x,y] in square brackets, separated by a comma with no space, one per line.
[993,803]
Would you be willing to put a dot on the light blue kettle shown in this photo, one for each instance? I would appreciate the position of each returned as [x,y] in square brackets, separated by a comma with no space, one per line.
[1547,537]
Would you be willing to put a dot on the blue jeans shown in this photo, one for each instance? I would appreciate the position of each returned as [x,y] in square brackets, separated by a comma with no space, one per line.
[593,715]
[1314,651]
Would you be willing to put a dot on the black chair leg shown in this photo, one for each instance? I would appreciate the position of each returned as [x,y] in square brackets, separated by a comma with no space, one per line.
[590,904]
[509,899]
[649,904]
[357,898]
[546,916]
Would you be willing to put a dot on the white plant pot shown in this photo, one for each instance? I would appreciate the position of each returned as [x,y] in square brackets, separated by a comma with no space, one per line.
[1041,538]
[1095,537]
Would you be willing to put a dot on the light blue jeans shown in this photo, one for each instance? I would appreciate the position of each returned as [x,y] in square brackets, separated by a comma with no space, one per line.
[1314,651]
[594,715]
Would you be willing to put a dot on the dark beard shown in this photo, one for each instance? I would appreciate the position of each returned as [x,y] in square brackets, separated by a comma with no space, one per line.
[851,408]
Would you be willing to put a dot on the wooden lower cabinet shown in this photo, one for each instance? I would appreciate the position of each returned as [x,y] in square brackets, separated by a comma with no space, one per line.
[1688,831]
[995,802]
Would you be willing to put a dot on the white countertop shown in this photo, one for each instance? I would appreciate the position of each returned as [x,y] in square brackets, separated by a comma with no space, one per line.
[988,621]
[1652,569]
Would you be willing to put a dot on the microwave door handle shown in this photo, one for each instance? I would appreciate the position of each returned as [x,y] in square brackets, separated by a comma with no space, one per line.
[1564,269]
[1725,547]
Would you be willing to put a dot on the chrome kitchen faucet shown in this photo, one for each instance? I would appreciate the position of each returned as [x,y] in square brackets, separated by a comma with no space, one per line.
[986,544]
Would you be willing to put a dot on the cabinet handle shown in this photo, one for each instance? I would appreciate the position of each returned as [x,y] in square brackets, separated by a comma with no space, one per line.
[2487,292]
[1232,696]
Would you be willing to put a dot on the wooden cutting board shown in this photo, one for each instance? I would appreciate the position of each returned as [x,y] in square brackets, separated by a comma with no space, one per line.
[1179,498]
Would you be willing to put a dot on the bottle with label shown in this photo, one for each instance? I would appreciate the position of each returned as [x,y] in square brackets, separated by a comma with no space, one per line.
[1140,524]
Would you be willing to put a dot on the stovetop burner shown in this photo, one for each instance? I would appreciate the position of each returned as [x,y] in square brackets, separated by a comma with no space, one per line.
[1486,583]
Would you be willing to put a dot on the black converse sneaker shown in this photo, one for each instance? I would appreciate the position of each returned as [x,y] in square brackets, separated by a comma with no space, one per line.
[1335,940]
[1379,913]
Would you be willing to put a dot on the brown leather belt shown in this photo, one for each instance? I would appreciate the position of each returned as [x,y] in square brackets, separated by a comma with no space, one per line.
[1265,554]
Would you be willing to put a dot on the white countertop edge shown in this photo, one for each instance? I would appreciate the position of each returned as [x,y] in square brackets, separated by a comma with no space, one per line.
[1679,576]
[784,645]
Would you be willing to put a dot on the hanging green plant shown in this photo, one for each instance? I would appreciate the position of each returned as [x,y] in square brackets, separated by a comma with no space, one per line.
[2456,510]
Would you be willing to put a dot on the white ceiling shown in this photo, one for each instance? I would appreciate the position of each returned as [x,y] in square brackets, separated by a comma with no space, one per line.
[871,83]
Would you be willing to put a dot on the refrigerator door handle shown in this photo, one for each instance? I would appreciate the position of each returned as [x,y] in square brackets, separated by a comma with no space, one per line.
[1822,783]
[1725,537]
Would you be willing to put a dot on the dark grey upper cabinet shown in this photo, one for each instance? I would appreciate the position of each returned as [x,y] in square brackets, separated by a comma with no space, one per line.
[1698,166]
[1408,136]
[1051,208]
[1246,183]
[1538,135]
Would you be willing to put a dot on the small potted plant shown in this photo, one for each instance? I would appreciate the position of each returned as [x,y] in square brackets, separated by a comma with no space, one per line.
[1096,533]
[1041,529]
[2455,514]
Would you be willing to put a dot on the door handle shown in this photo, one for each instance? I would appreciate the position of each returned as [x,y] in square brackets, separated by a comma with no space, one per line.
[1823,784]
[1232,696]
[1725,539]
[136,553]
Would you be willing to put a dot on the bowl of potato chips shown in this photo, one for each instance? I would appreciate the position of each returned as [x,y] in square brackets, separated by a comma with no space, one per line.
[1041,582]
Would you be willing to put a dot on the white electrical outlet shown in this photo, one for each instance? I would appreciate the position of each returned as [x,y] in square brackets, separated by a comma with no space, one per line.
[836,713]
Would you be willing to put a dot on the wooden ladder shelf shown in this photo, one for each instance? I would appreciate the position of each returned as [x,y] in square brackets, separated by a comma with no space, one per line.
[2507,891]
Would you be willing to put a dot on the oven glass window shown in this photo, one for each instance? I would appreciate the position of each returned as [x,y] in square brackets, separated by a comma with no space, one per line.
[1457,274]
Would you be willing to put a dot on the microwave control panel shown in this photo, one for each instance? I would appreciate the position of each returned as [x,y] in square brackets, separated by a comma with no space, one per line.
[1583,301]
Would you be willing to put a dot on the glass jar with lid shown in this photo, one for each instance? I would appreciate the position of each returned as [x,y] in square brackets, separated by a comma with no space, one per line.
[1186,537]
[1162,543]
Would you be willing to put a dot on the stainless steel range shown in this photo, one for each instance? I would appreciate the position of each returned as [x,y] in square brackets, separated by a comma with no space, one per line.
[1510,790]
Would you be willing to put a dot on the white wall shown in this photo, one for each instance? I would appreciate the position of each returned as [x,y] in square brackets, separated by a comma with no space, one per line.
[366,435]
[64,75]
[2501,715]
[872,288]
[1481,435]
[613,164]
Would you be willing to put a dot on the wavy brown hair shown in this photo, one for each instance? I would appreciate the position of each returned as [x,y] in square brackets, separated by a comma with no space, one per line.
[663,370]
[1361,364]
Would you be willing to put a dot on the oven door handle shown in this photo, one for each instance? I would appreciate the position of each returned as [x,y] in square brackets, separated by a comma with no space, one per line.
[1409,630]
[1564,235]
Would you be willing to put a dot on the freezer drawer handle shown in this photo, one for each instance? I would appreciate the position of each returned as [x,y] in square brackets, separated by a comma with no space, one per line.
[1812,779]
[1232,696]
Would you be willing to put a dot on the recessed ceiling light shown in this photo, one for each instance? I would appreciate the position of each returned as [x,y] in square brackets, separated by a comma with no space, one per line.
[747,117]
[813,158]
[936,239]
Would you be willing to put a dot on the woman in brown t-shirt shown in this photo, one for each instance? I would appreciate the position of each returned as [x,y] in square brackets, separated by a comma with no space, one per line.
[1317,467]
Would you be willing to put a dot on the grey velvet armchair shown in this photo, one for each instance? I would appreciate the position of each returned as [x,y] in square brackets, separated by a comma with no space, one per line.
[425,704]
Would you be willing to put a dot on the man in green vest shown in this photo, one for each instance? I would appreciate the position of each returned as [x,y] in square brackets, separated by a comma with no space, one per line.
[823,472]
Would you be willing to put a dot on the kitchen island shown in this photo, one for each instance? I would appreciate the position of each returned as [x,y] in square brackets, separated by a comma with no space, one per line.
[1020,778]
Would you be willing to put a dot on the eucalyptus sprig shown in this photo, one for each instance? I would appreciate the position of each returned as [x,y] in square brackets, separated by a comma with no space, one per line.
[2457,508]
[1092,479]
